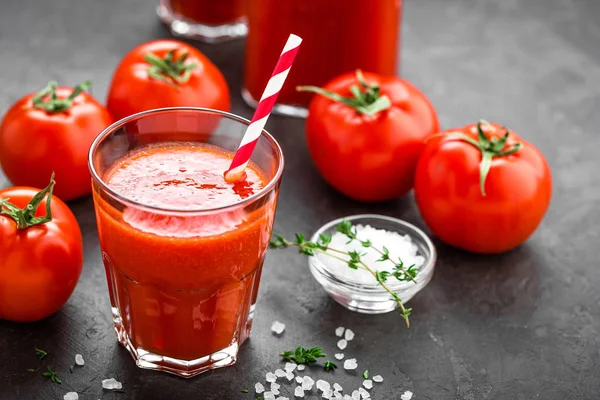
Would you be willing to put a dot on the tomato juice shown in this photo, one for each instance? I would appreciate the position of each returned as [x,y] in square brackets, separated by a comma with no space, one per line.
[338,36]
[183,269]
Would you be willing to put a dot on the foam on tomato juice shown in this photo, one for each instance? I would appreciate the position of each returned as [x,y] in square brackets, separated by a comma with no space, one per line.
[183,267]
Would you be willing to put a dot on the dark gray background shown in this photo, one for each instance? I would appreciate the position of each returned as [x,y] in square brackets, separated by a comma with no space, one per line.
[523,325]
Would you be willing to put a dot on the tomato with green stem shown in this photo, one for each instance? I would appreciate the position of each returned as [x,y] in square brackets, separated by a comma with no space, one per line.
[51,131]
[166,73]
[481,188]
[41,253]
[365,133]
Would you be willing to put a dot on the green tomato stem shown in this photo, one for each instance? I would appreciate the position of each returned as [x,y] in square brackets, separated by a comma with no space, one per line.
[170,69]
[366,100]
[25,218]
[47,99]
[489,148]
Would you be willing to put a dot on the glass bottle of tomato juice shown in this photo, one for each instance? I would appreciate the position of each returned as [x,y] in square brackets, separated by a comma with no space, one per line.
[338,36]
[207,20]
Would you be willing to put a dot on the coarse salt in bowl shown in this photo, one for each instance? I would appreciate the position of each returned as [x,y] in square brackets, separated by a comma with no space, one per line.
[358,290]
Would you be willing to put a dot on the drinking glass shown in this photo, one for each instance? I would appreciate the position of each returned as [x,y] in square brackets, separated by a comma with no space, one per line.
[210,21]
[183,296]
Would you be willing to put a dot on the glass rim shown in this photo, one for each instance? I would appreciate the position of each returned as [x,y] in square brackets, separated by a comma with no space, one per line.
[248,200]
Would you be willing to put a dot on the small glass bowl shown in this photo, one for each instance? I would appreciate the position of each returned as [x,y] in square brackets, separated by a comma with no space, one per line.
[372,298]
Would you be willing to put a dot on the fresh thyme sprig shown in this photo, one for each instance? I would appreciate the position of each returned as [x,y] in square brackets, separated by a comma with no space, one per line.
[354,261]
[329,366]
[400,272]
[50,374]
[302,355]
[40,353]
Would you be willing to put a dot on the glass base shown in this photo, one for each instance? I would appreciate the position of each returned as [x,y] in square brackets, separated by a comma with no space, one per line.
[206,33]
[366,307]
[279,109]
[183,368]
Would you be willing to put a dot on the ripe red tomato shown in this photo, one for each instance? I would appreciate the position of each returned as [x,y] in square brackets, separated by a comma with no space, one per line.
[482,188]
[41,253]
[166,73]
[365,135]
[51,131]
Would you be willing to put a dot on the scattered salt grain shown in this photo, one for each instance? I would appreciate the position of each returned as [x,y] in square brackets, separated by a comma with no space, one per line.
[79,360]
[289,376]
[347,397]
[363,393]
[378,378]
[337,396]
[368,384]
[277,328]
[339,356]
[111,384]
[282,398]
[280,373]
[298,379]
[299,392]
[342,344]
[270,377]
[259,388]
[269,396]
[301,367]
[406,395]
[350,364]
[71,396]
[327,394]
[339,331]
[307,383]
[290,367]
[349,335]
[323,386]
[337,387]
[400,247]
[275,388]
[355,395]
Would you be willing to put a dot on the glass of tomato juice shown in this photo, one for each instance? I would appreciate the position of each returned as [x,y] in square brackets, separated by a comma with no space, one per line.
[183,250]
[339,36]
[210,21]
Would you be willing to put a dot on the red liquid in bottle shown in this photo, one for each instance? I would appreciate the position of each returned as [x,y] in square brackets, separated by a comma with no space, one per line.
[338,36]
[208,12]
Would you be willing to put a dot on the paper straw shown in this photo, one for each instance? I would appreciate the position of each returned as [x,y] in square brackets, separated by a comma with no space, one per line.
[263,110]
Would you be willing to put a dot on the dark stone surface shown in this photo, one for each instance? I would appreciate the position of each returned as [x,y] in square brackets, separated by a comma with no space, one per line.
[517,326]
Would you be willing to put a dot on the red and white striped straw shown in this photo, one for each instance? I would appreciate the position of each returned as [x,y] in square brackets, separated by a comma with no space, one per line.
[263,110]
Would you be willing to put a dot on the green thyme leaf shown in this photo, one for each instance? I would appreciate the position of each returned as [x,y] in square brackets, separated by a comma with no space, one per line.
[50,374]
[329,366]
[40,353]
[302,355]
